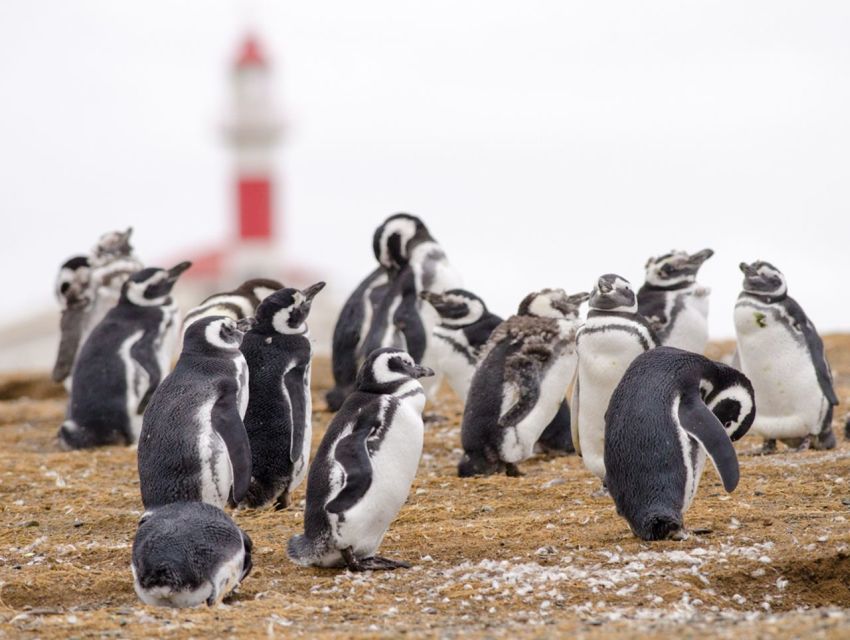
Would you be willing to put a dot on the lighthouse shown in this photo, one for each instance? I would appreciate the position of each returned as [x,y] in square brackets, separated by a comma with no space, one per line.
[252,132]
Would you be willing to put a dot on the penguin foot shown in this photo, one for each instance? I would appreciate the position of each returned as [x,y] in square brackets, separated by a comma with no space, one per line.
[824,440]
[601,492]
[282,501]
[679,535]
[805,444]
[512,471]
[377,563]
[768,447]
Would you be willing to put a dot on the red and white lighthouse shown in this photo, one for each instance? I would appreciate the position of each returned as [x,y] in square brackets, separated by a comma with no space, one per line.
[253,131]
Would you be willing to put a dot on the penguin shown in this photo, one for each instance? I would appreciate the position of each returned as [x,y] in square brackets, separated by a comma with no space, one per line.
[363,469]
[613,335]
[384,310]
[279,415]
[781,352]
[520,383]
[671,410]
[464,327]
[194,446]
[122,362]
[186,554]
[672,301]
[71,291]
[237,304]
[87,288]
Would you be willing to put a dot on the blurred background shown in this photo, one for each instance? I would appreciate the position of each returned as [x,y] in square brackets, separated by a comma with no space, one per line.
[544,143]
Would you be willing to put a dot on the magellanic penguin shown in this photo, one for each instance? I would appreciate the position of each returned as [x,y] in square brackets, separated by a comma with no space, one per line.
[520,383]
[672,301]
[670,410]
[464,327]
[364,467]
[194,447]
[782,354]
[613,335]
[384,310]
[237,304]
[95,288]
[187,554]
[278,420]
[122,362]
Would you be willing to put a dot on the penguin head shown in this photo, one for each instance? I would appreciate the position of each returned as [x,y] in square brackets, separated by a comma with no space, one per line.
[675,268]
[395,239]
[730,396]
[260,288]
[457,307]
[72,281]
[385,369]
[113,244]
[151,287]
[476,463]
[613,293]
[285,311]
[552,303]
[213,334]
[763,279]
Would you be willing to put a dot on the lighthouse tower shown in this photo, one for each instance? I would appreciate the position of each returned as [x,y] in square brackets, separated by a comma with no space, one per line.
[253,131]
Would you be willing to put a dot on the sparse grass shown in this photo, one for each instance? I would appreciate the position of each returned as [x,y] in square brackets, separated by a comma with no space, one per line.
[535,556]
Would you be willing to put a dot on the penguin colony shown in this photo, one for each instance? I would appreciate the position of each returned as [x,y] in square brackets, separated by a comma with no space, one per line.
[230,425]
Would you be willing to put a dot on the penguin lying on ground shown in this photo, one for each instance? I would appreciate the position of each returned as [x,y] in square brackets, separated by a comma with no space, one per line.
[670,410]
[194,447]
[237,304]
[364,467]
[88,287]
[122,362]
[188,553]
[520,383]
[781,352]
[279,416]
[464,327]
[384,310]
[613,335]
[672,301]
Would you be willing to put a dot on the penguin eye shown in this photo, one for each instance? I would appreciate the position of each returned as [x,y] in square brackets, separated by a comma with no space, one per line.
[667,269]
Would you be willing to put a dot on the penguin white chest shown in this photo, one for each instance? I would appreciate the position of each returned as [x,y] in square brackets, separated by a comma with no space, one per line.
[216,469]
[518,443]
[776,359]
[453,356]
[604,357]
[394,466]
[689,330]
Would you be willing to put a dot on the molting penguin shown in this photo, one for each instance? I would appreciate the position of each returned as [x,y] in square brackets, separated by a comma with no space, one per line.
[188,553]
[670,410]
[279,415]
[237,304]
[194,447]
[672,301]
[520,383]
[464,327]
[122,362]
[613,335]
[781,352]
[384,310]
[364,467]
[88,287]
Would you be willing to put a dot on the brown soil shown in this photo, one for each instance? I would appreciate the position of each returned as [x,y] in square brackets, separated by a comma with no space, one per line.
[537,556]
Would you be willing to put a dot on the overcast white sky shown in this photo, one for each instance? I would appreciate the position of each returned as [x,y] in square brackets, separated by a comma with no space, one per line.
[544,143]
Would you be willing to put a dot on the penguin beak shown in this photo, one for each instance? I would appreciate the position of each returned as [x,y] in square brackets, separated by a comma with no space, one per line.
[747,269]
[246,324]
[175,271]
[311,291]
[700,256]
[418,371]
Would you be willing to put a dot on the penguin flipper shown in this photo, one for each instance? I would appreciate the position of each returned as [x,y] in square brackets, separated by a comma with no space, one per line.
[698,420]
[71,331]
[228,424]
[522,389]
[297,381]
[144,353]
[574,419]
[815,346]
[352,453]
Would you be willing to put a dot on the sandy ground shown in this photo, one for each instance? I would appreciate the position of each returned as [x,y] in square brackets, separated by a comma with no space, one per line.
[536,556]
